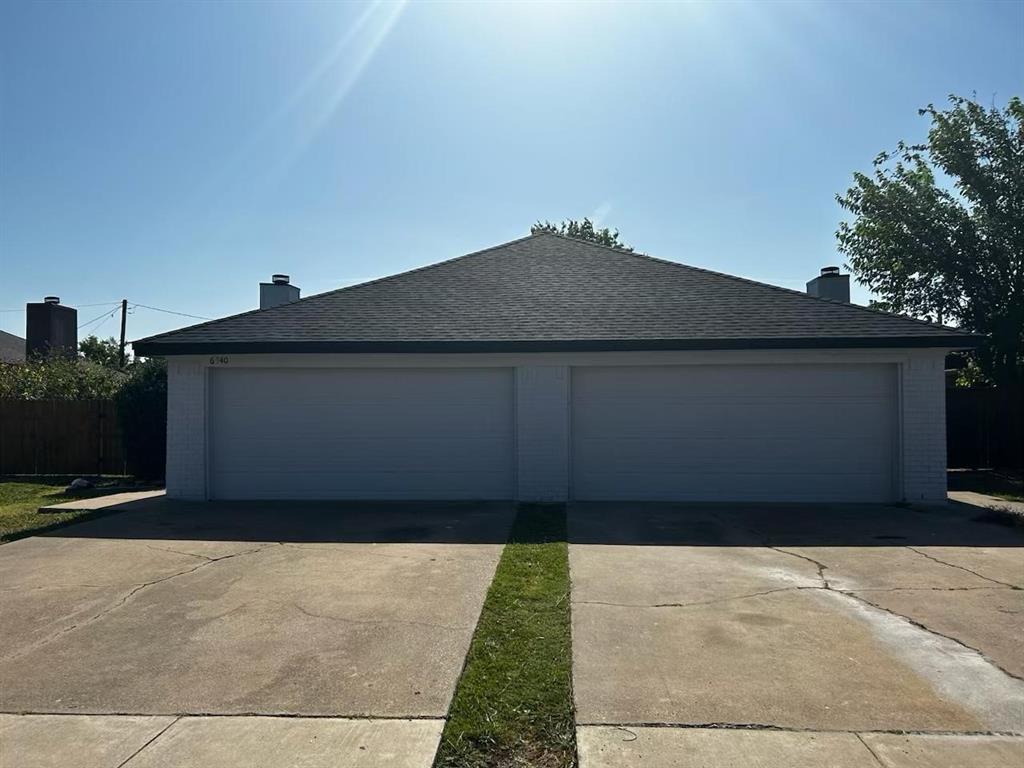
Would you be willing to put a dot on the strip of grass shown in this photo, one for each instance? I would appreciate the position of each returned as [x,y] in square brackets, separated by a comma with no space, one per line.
[20,501]
[1002,485]
[513,704]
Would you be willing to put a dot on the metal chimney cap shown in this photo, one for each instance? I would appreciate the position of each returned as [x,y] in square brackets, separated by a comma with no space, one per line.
[830,271]
[51,300]
[280,279]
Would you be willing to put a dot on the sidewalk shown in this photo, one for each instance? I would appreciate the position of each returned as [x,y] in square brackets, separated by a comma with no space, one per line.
[987,502]
[102,502]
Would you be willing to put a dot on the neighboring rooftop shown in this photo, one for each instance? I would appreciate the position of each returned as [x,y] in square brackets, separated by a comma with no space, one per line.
[12,348]
[549,292]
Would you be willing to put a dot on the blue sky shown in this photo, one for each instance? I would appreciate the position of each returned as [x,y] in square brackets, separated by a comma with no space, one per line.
[176,155]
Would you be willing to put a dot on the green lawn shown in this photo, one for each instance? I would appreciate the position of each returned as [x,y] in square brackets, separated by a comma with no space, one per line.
[1003,485]
[20,500]
[513,704]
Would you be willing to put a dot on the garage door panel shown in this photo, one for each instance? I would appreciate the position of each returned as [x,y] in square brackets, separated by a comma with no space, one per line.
[713,417]
[734,432]
[765,381]
[369,385]
[377,421]
[684,455]
[361,433]
[368,485]
[769,486]
[364,455]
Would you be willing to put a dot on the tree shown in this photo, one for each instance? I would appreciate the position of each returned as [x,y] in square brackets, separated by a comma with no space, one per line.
[582,230]
[938,228]
[105,352]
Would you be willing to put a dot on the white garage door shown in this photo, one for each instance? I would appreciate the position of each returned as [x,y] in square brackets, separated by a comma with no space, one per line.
[361,433]
[721,433]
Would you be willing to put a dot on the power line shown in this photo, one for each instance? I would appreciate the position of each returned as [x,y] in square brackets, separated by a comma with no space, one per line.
[99,317]
[116,304]
[95,331]
[171,312]
[76,306]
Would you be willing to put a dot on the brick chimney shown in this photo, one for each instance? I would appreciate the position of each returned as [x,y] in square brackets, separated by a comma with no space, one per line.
[830,285]
[50,328]
[278,291]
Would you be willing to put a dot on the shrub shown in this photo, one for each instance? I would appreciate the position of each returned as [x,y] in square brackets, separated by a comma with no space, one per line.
[142,411]
[58,378]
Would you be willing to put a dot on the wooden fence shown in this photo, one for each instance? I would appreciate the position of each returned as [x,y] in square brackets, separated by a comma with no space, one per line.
[60,437]
[985,428]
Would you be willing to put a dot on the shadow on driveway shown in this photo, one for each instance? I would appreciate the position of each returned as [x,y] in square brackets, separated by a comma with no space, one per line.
[781,525]
[740,524]
[297,522]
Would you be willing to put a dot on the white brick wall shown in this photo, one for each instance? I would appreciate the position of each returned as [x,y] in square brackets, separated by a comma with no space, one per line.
[186,429]
[924,427]
[543,407]
[542,426]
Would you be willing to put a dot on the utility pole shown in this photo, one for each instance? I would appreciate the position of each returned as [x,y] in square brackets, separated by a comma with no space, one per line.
[124,318]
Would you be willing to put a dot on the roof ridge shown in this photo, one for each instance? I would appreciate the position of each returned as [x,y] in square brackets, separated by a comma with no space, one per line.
[747,280]
[374,281]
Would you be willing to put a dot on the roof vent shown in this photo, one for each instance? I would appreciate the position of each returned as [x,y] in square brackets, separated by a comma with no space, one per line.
[278,291]
[830,285]
[51,300]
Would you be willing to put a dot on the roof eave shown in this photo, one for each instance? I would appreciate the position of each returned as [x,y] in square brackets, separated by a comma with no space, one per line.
[158,349]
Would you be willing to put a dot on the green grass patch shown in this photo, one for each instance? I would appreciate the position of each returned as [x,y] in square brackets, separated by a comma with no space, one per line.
[21,499]
[1002,485]
[513,703]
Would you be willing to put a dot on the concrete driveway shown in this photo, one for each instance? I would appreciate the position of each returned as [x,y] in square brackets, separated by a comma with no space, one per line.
[241,634]
[787,636]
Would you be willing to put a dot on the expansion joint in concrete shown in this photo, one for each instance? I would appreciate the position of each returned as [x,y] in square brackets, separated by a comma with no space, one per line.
[747,726]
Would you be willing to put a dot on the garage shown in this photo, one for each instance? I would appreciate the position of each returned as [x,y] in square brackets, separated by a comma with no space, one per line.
[735,432]
[548,369]
[361,433]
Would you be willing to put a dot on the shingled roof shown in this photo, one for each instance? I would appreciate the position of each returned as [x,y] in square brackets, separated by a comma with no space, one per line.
[547,292]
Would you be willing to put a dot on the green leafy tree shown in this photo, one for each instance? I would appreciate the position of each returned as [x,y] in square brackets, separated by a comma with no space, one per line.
[106,352]
[582,230]
[937,229]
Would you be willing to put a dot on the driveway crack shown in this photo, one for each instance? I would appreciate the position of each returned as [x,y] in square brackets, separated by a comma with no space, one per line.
[853,595]
[962,568]
[869,749]
[177,552]
[347,620]
[128,596]
[695,603]
[160,733]
[928,629]
[817,563]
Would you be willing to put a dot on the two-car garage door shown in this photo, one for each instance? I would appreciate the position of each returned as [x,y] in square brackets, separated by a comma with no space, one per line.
[687,432]
[736,432]
[358,433]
